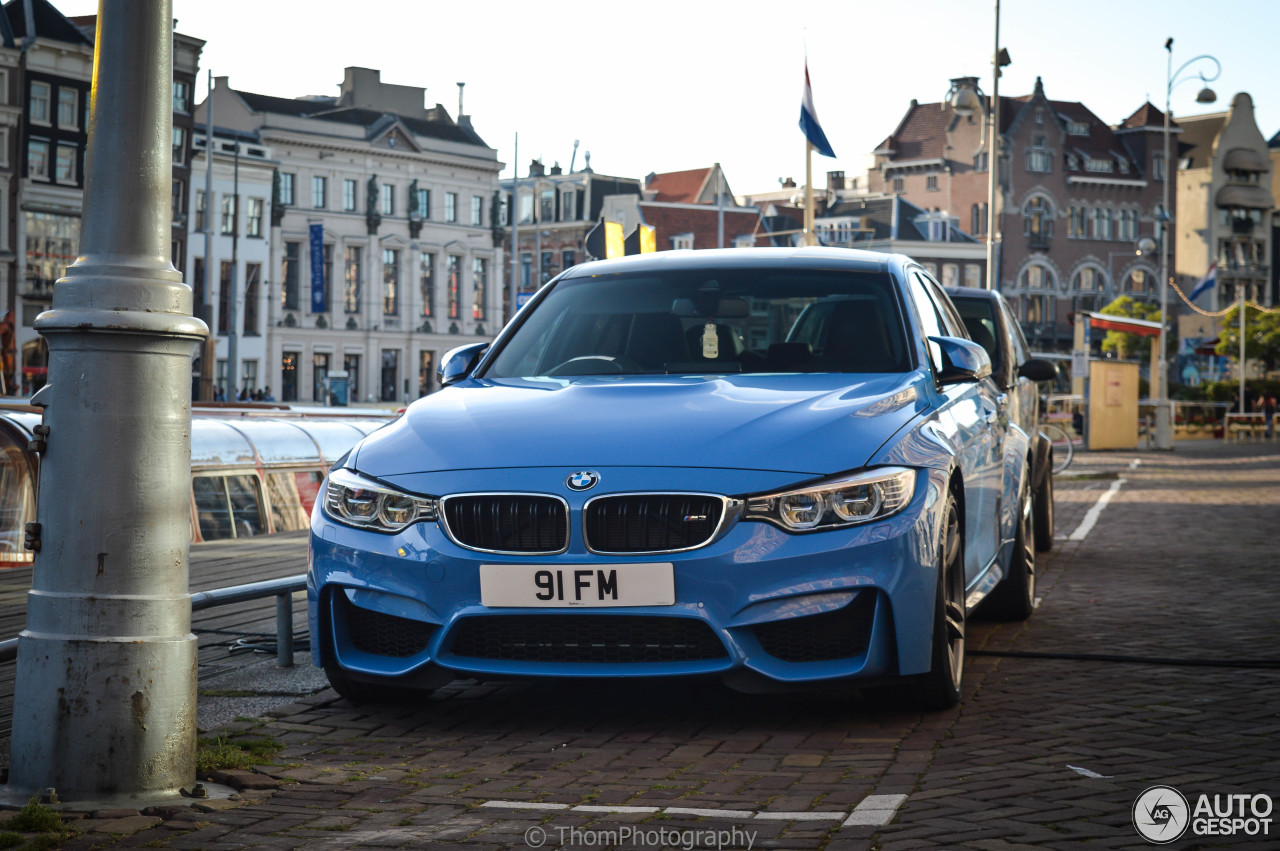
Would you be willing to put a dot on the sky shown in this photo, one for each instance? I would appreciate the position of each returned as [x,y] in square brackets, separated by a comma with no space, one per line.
[666,86]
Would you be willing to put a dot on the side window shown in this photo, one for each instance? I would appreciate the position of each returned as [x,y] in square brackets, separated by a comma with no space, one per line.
[1021,351]
[929,319]
[228,506]
[952,324]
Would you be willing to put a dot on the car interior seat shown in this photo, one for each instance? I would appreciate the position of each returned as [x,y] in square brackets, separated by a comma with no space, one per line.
[857,340]
[656,340]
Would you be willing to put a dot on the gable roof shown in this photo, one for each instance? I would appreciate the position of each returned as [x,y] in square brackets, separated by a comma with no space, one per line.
[437,125]
[1147,116]
[1198,134]
[678,187]
[47,22]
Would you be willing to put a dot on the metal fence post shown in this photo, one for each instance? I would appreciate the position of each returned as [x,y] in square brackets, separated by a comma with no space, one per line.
[284,629]
[105,707]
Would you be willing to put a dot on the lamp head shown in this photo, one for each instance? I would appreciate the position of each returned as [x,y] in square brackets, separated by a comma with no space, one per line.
[1206,95]
[964,98]
[1146,245]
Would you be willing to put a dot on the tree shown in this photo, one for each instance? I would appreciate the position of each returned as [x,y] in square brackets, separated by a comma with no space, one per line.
[1125,345]
[1261,335]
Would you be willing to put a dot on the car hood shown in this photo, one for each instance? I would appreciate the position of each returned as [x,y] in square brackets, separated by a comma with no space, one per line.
[808,424]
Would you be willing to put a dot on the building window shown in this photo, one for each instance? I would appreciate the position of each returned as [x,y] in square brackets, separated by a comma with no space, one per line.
[1157,167]
[1100,223]
[426,367]
[289,376]
[201,209]
[547,257]
[1073,162]
[950,274]
[318,187]
[454,273]
[427,282]
[1039,158]
[1076,222]
[179,145]
[477,210]
[1127,225]
[52,244]
[1086,280]
[290,268]
[353,277]
[451,206]
[980,161]
[388,199]
[349,195]
[286,189]
[972,275]
[390,374]
[320,372]
[1077,128]
[567,212]
[326,278]
[547,205]
[526,207]
[254,224]
[526,271]
[390,282]
[252,283]
[1038,221]
[38,159]
[424,203]
[898,184]
[1138,282]
[745,241]
[228,214]
[351,363]
[1098,166]
[479,286]
[65,166]
[177,202]
[931,183]
[68,108]
[224,296]
[568,259]
[684,240]
[39,102]
[181,96]
[1036,278]
[1039,115]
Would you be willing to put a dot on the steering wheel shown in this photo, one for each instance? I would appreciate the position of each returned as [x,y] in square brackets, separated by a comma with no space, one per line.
[594,365]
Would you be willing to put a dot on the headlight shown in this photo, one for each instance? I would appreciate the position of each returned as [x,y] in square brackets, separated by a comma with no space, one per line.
[847,501]
[354,500]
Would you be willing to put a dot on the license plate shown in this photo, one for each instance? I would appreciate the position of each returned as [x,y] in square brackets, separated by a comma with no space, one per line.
[594,586]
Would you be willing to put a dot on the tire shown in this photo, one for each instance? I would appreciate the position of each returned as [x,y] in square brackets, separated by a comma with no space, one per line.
[361,691]
[1042,509]
[940,688]
[1014,598]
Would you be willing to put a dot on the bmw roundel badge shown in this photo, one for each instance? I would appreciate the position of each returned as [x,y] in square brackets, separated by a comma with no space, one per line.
[582,481]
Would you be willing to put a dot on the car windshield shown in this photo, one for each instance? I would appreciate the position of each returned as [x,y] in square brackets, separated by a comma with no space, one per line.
[711,321]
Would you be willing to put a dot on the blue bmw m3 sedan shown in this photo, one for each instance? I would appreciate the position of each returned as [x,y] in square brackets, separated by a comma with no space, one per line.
[781,467]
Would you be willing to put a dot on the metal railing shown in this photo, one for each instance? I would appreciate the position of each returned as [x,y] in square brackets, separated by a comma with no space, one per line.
[282,589]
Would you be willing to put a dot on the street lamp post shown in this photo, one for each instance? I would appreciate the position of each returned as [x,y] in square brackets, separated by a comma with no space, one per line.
[1144,246]
[1164,422]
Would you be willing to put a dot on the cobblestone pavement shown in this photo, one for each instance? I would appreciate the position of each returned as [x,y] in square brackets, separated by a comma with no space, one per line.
[1065,719]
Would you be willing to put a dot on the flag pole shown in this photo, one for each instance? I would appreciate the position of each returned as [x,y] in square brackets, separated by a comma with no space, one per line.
[1240,286]
[808,194]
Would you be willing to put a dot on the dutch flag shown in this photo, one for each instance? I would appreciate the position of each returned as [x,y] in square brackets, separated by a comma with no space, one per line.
[809,119]
[1206,283]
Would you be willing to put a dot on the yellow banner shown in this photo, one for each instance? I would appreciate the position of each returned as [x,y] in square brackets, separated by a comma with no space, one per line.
[648,239]
[613,240]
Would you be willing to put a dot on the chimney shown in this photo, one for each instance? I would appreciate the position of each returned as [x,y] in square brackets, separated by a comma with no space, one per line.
[536,169]
[555,169]
[789,183]
[835,180]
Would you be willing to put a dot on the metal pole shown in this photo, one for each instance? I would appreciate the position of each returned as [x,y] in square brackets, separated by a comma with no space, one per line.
[992,159]
[1240,287]
[233,340]
[1164,428]
[515,227]
[719,207]
[209,358]
[105,708]
[809,238]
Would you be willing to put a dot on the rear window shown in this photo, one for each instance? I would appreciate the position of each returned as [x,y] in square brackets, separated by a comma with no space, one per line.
[711,321]
[978,315]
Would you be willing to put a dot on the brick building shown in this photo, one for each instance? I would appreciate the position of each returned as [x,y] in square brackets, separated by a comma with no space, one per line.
[1074,198]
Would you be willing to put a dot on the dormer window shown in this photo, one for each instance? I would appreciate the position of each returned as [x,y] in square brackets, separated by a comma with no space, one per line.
[1124,166]
[1073,162]
[1077,128]
[1099,166]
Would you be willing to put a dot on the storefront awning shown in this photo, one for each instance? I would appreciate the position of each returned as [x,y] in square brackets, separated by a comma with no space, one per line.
[1124,324]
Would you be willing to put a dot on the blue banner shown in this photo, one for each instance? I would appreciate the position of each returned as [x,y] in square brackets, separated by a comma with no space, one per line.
[317,270]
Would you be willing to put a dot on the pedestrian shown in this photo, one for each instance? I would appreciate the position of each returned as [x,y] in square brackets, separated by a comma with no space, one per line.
[266,394]
[1269,412]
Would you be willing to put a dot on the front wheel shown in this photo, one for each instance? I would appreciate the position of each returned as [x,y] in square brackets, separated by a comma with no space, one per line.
[940,688]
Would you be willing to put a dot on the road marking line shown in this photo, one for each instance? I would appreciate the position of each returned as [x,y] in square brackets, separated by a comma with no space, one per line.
[1091,516]
[695,811]
[875,810]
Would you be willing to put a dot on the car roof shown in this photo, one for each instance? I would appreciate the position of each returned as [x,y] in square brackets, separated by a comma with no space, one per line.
[973,292]
[816,257]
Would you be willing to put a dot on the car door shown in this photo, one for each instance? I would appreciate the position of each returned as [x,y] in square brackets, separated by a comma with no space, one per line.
[974,412]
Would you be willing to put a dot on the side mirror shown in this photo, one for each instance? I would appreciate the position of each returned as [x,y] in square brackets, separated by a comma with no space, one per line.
[1038,369]
[458,363]
[962,360]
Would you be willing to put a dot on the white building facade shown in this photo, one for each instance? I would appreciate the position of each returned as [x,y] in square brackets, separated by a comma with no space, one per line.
[382,244]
